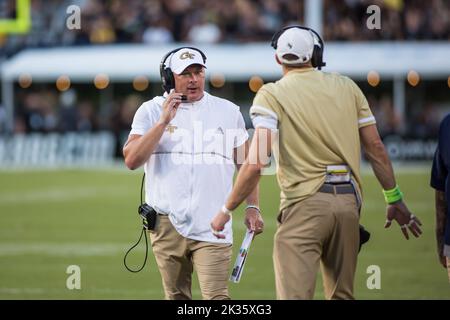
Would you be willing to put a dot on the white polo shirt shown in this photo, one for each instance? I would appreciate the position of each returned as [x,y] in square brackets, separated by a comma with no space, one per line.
[190,174]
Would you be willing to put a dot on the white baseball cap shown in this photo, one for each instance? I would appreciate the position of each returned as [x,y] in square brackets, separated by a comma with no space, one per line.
[183,58]
[298,42]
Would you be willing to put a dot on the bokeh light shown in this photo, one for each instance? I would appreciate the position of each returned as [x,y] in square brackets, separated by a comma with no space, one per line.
[413,78]
[101,81]
[25,80]
[373,78]
[255,83]
[140,83]
[63,83]
[217,80]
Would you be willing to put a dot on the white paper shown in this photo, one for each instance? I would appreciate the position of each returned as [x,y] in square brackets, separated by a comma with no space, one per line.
[241,257]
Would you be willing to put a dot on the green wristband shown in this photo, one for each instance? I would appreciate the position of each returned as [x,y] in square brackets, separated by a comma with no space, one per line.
[393,195]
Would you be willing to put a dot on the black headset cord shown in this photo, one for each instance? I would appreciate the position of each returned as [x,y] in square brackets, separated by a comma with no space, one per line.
[134,246]
[137,243]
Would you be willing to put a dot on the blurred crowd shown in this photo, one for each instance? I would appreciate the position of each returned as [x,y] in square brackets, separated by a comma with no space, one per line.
[420,122]
[400,20]
[46,111]
[206,21]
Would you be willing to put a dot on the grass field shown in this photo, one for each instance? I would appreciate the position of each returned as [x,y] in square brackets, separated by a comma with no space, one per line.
[53,219]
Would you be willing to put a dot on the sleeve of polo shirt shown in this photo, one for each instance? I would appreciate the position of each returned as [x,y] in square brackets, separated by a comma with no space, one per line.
[265,111]
[242,134]
[143,119]
[365,116]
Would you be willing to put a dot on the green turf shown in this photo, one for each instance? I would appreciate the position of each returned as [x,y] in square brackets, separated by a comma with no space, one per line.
[53,219]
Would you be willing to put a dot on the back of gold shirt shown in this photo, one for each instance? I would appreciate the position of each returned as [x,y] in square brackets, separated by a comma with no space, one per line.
[319,116]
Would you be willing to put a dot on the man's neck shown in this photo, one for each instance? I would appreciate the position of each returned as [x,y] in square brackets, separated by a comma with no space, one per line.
[286,69]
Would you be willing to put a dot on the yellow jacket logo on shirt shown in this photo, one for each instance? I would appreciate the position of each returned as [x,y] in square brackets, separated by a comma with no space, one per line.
[171,128]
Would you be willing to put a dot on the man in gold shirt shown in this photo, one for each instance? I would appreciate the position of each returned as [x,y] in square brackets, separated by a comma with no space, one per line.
[321,120]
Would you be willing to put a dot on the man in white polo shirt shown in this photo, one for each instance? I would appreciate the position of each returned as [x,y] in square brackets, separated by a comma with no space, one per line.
[190,143]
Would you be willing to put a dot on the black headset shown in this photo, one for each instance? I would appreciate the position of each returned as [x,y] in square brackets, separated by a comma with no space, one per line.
[317,55]
[167,79]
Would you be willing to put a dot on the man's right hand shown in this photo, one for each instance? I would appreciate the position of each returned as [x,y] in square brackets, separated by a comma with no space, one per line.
[170,107]
[400,213]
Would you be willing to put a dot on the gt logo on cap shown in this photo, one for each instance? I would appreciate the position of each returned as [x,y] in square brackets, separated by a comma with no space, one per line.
[186,55]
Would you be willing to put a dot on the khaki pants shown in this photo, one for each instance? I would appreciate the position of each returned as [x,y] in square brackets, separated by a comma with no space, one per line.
[323,228]
[176,257]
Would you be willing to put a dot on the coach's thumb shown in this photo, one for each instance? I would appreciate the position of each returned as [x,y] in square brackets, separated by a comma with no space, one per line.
[252,225]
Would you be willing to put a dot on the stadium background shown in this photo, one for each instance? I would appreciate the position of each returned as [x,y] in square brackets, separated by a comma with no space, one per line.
[67,101]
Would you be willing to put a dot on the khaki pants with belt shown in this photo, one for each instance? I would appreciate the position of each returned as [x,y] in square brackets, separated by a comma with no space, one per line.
[323,228]
[177,256]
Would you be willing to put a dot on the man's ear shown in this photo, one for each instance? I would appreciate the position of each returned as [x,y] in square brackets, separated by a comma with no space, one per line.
[278,60]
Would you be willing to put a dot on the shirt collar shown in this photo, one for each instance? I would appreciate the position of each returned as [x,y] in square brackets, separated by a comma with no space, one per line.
[198,103]
[300,70]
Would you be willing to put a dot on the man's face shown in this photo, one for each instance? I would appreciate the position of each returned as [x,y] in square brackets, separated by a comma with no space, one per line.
[191,82]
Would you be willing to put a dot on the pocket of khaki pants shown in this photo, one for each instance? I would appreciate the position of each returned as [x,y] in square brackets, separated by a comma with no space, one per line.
[352,201]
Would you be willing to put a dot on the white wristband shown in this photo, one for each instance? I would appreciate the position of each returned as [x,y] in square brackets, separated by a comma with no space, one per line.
[225,210]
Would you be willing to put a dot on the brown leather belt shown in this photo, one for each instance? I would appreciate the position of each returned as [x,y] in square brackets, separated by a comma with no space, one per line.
[337,188]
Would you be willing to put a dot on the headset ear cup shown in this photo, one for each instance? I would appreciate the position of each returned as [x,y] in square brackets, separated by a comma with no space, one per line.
[168,80]
[274,42]
[164,79]
[319,57]
[315,58]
